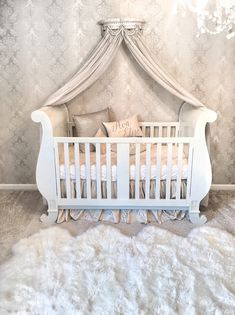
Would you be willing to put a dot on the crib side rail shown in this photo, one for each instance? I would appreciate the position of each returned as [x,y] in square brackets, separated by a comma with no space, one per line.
[130,140]
[160,129]
[167,154]
[149,129]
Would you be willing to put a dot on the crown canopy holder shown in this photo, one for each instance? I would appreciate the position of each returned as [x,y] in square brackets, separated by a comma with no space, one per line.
[121,24]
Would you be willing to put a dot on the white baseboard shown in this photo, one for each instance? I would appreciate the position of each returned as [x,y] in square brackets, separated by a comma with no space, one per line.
[18,187]
[222,187]
[34,187]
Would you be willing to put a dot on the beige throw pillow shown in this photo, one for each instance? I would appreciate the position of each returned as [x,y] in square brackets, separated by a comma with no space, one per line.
[124,128]
[87,125]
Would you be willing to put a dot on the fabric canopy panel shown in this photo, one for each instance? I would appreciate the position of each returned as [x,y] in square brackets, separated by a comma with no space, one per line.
[114,33]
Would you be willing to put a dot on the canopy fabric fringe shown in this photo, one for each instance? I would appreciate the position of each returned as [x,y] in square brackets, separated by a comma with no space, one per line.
[103,55]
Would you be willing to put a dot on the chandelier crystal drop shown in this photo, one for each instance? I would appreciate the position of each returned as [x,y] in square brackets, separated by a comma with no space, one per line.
[213,16]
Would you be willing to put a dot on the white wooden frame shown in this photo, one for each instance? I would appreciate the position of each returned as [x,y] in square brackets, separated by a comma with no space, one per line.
[192,130]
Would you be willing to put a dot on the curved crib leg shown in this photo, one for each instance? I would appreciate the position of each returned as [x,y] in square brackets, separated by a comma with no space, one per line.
[52,212]
[197,219]
[194,214]
[50,217]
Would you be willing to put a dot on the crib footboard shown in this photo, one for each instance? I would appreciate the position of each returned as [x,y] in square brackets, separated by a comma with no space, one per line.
[163,166]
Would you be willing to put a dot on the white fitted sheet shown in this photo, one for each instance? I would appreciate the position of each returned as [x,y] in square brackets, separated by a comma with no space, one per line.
[174,171]
[103,168]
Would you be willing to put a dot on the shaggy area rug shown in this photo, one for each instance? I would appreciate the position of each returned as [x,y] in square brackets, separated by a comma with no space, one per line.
[105,272]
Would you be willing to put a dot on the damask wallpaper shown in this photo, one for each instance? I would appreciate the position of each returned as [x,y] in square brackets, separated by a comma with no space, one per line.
[44,41]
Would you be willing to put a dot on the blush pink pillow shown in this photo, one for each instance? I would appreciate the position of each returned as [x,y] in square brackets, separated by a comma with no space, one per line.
[124,128]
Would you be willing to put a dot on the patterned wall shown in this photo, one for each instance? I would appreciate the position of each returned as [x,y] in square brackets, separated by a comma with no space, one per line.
[43,42]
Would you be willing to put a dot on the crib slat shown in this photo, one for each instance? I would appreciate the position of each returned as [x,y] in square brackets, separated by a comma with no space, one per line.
[179,170]
[158,171]
[189,171]
[77,170]
[160,131]
[57,166]
[168,131]
[67,170]
[169,166]
[88,169]
[98,176]
[137,171]
[123,171]
[108,170]
[176,130]
[148,170]
[151,131]
[144,131]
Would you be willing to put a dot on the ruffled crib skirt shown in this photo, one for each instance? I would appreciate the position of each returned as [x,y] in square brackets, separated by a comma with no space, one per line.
[124,216]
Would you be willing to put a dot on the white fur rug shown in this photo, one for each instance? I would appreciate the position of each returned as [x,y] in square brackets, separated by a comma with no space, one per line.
[105,272]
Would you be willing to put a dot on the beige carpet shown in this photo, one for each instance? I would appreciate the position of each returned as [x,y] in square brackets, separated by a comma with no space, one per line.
[103,272]
[20,212]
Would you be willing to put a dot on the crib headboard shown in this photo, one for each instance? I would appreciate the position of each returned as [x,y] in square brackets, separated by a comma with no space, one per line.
[149,129]
[160,129]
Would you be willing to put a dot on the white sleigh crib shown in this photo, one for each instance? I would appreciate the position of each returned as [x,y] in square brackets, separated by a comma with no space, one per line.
[173,172]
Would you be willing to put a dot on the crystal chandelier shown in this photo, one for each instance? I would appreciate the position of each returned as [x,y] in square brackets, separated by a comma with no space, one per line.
[213,16]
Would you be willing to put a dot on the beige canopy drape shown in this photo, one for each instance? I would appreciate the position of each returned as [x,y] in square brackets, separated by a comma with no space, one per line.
[104,53]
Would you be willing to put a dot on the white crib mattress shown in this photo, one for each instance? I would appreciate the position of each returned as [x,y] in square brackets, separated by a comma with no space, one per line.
[153,173]
[132,174]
